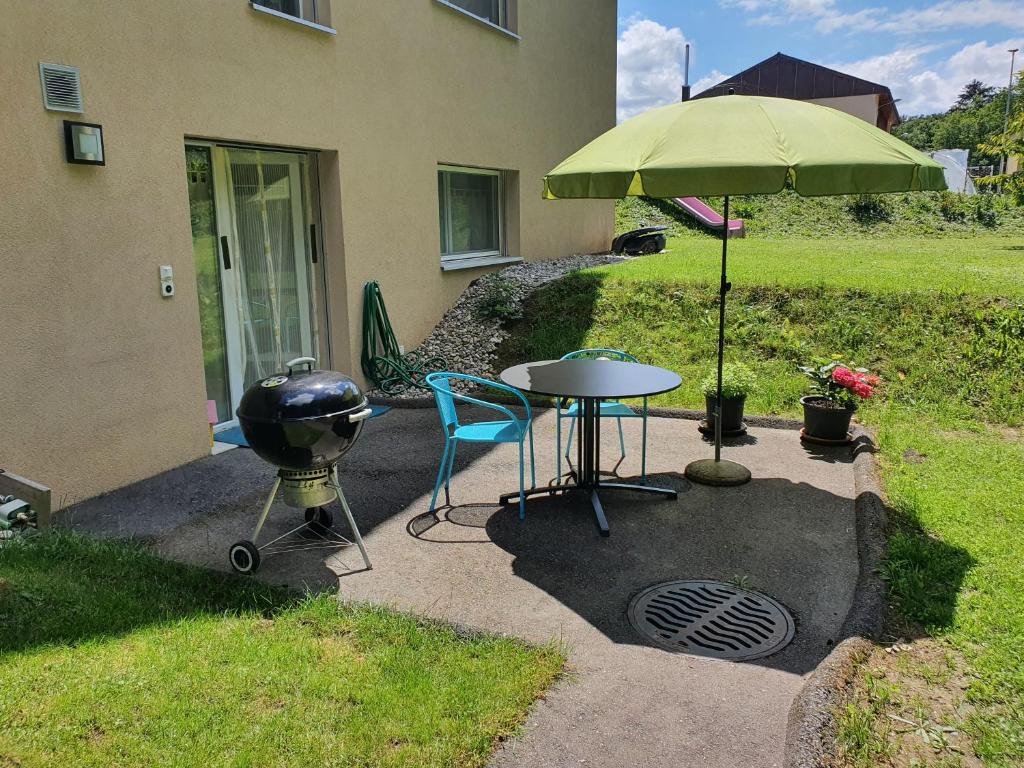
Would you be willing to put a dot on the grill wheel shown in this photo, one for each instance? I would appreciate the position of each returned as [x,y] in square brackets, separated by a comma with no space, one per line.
[244,557]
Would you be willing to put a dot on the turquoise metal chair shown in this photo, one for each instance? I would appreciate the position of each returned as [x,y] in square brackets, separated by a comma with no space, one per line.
[510,430]
[609,409]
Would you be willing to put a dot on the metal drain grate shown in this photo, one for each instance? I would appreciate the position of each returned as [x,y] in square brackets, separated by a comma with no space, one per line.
[711,618]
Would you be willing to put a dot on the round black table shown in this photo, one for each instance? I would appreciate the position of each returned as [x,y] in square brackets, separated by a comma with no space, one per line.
[589,382]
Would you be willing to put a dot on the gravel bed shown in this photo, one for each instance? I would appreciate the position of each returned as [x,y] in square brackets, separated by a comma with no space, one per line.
[467,340]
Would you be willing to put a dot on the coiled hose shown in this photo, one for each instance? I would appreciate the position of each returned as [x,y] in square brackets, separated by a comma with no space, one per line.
[382,359]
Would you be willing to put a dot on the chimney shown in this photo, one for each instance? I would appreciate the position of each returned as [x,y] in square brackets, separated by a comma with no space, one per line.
[686,75]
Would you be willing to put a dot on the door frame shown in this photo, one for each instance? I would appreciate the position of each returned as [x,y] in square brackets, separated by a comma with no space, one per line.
[308,241]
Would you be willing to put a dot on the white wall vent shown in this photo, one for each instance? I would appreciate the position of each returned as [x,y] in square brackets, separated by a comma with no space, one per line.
[62,87]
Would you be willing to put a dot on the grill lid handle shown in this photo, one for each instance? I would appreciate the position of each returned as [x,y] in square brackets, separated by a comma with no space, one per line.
[363,414]
[310,361]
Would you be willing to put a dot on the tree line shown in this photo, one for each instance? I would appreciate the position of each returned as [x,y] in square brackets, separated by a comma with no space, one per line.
[972,123]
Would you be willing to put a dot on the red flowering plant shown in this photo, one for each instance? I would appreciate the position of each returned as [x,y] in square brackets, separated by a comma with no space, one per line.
[842,385]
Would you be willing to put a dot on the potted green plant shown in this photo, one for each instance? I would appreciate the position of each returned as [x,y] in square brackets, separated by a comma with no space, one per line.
[836,390]
[737,382]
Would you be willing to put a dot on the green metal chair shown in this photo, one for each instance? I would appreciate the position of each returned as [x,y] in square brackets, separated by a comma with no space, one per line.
[609,409]
[509,430]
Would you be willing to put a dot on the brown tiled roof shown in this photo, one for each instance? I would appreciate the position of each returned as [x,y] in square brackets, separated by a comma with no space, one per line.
[791,78]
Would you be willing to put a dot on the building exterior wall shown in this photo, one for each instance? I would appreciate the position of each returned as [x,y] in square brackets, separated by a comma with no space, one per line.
[104,377]
[865,107]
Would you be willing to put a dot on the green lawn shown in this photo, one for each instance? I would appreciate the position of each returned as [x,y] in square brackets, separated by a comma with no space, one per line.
[942,321]
[979,265]
[113,657]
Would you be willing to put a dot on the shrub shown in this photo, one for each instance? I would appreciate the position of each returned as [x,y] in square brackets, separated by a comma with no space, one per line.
[984,210]
[950,206]
[870,209]
[499,301]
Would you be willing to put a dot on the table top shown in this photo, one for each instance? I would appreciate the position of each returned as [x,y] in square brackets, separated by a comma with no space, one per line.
[581,377]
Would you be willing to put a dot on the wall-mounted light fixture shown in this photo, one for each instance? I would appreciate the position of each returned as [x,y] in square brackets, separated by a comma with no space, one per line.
[83,143]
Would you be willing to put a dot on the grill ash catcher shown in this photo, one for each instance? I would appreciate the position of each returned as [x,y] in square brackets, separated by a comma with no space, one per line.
[302,422]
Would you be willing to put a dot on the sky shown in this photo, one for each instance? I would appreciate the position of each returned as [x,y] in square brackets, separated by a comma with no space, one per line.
[924,51]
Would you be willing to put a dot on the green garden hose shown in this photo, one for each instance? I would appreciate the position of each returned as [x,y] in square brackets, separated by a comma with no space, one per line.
[382,360]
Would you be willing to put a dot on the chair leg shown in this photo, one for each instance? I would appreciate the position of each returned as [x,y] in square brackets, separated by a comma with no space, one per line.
[448,475]
[533,465]
[558,441]
[622,440]
[522,473]
[643,452]
[568,443]
[440,475]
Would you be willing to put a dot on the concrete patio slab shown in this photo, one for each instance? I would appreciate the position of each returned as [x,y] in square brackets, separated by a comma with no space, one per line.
[789,533]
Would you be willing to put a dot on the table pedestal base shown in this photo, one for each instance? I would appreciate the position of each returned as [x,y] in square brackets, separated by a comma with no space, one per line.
[587,476]
[595,500]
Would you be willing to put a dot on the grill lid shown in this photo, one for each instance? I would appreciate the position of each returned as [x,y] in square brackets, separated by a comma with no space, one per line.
[301,394]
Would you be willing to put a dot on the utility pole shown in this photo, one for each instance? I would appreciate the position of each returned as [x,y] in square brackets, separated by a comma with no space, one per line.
[1009,98]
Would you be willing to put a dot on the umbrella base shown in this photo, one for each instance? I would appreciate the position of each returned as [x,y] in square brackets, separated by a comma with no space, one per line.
[720,473]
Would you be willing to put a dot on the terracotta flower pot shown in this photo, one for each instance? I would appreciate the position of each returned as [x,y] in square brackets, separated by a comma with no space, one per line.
[732,412]
[825,421]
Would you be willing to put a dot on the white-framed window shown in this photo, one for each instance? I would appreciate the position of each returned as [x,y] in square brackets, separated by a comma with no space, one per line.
[494,11]
[471,208]
[498,14]
[310,13]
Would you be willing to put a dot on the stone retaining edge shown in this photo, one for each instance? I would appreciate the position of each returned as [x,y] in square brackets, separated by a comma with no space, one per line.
[811,730]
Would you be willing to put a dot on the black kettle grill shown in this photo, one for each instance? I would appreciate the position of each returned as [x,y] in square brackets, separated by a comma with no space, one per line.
[303,422]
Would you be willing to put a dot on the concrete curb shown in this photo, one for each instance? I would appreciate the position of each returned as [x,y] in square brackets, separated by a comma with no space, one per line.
[810,734]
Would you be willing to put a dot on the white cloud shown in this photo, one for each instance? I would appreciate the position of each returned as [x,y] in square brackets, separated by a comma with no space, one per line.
[714,78]
[958,14]
[826,15]
[923,88]
[650,59]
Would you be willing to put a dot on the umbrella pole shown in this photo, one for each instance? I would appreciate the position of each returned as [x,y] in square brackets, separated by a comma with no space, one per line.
[716,471]
[723,289]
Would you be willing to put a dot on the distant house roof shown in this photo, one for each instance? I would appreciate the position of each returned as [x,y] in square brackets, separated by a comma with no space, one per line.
[791,78]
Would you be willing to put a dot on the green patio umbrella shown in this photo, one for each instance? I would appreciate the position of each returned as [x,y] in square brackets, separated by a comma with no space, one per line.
[740,145]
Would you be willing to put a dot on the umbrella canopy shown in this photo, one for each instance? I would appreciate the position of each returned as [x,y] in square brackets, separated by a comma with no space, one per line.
[742,145]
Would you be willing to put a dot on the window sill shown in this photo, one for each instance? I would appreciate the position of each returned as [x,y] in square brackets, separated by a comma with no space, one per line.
[292,19]
[481,19]
[476,262]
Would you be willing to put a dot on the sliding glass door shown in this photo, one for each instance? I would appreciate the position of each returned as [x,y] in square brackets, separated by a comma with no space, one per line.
[262,213]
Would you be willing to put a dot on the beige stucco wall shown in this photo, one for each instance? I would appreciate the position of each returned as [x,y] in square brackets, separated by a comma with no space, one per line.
[865,107]
[103,379]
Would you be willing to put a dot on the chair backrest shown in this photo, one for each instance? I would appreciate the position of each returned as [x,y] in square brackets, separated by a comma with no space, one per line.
[441,386]
[594,354]
[445,397]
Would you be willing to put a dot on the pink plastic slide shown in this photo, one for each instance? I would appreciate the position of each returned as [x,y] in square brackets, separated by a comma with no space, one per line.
[707,215]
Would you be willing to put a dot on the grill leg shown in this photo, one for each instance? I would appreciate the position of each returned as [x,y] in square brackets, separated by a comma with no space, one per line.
[348,514]
[266,510]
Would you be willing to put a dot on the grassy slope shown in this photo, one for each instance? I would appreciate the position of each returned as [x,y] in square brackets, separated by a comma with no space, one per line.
[788,215]
[950,344]
[664,308]
[113,657]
